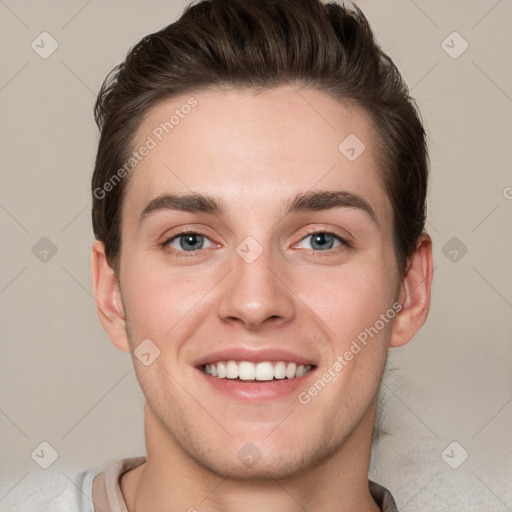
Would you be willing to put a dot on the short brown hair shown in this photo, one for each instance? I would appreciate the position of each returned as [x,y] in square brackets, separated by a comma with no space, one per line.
[260,44]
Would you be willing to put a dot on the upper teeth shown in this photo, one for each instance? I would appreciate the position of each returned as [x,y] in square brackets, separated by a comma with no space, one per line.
[245,370]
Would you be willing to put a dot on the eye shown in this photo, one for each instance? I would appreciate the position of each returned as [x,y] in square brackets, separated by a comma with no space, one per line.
[324,240]
[189,241]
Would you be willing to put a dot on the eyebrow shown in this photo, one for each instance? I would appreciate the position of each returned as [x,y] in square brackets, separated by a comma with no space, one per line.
[302,202]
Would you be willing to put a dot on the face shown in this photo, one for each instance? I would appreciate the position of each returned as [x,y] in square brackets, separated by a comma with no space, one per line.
[283,267]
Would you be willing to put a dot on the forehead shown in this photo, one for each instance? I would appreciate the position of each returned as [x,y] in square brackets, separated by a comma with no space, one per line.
[253,149]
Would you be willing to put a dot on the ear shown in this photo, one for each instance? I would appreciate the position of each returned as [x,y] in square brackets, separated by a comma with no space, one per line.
[414,294]
[108,298]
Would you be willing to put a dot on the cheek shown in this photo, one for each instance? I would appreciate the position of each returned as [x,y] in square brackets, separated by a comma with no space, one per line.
[159,299]
[347,299]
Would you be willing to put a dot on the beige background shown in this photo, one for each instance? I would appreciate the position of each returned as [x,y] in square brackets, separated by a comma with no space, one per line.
[64,383]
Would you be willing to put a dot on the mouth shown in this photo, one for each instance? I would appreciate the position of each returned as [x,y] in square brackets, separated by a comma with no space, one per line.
[248,371]
[256,377]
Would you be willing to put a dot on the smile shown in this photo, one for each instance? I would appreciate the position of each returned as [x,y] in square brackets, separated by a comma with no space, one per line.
[261,371]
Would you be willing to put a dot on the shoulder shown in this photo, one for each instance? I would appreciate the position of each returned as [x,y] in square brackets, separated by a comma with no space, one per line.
[49,491]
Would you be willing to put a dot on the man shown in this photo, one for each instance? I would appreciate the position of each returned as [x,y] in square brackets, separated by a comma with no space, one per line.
[259,209]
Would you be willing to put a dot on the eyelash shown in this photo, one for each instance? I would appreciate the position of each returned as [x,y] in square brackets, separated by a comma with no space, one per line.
[186,254]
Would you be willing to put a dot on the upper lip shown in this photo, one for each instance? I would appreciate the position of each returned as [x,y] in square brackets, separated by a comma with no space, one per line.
[253,355]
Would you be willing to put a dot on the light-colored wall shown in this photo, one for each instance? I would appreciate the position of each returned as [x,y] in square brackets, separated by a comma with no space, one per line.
[64,383]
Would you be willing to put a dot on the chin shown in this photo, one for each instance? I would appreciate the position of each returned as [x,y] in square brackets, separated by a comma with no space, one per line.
[261,459]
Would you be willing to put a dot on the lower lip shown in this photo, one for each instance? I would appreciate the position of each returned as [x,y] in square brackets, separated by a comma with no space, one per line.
[261,391]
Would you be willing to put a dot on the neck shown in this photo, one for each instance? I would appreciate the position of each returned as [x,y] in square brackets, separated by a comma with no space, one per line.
[171,477]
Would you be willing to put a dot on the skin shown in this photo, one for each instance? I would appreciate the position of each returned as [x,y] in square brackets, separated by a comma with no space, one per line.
[256,152]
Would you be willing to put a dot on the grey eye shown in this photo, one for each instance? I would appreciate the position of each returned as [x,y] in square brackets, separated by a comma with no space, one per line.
[322,241]
[188,241]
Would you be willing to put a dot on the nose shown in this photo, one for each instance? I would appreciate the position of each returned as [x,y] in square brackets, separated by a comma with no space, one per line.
[256,293]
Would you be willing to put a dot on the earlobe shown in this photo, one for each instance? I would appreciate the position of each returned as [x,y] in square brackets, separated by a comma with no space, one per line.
[108,298]
[415,293]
